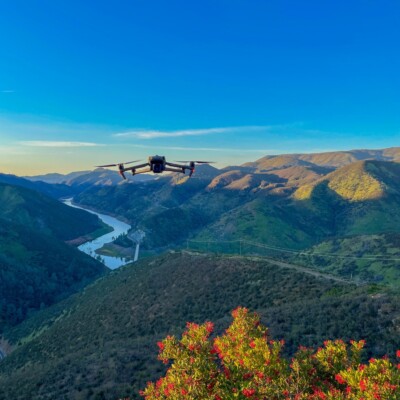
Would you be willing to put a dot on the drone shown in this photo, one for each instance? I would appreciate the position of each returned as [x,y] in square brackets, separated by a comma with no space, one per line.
[157,165]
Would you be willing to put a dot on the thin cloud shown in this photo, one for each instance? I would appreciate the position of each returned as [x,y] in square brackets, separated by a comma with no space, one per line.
[214,149]
[154,134]
[8,91]
[43,143]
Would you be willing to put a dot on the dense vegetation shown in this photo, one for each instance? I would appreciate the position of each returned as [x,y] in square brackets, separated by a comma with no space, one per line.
[36,267]
[36,270]
[244,363]
[101,343]
[353,258]
[44,214]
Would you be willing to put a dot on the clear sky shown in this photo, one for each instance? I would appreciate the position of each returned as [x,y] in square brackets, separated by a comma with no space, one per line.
[91,82]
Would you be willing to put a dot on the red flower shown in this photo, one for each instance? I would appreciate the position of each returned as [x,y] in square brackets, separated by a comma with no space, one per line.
[160,345]
[209,327]
[363,385]
[339,379]
[320,394]
[398,353]
[249,392]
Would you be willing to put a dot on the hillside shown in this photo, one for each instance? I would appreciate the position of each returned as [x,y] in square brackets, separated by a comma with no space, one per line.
[334,159]
[102,343]
[36,270]
[355,257]
[294,207]
[38,211]
[363,198]
[36,267]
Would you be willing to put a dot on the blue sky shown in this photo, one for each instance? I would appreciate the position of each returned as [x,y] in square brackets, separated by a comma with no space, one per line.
[90,82]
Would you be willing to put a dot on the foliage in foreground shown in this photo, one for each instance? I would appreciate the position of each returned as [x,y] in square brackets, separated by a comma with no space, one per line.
[244,364]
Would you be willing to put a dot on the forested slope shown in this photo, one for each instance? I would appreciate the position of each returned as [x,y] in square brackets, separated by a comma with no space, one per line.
[102,343]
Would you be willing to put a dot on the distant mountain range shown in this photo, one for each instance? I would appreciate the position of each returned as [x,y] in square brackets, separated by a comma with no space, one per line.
[97,177]
[52,190]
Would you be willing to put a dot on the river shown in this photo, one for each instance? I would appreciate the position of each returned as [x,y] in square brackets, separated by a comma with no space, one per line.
[91,247]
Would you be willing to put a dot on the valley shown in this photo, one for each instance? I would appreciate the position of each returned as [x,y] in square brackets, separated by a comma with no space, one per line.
[309,242]
[294,202]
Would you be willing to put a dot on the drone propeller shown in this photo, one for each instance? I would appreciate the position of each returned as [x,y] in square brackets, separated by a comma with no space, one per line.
[116,165]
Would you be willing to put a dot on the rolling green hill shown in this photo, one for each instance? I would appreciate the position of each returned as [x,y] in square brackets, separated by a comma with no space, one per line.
[364,198]
[101,343]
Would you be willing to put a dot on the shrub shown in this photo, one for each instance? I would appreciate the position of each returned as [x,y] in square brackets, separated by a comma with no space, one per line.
[244,364]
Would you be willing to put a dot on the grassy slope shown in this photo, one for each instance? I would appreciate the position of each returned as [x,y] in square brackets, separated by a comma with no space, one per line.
[102,342]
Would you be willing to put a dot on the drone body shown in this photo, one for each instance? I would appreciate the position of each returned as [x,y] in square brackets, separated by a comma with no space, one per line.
[157,165]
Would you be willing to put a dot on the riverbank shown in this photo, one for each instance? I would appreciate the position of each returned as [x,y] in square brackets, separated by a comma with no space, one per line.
[92,236]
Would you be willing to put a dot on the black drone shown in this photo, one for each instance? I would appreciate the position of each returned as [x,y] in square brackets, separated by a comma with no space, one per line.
[157,165]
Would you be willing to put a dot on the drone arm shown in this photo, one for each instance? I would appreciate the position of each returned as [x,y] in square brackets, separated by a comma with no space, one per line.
[175,169]
[136,167]
[177,165]
[143,171]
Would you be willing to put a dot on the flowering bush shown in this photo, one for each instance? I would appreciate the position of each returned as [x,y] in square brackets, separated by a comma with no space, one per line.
[244,364]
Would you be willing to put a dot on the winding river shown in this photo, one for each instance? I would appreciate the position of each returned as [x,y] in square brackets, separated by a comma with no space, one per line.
[91,247]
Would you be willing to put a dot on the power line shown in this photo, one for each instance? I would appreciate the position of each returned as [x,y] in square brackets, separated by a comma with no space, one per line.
[297,252]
